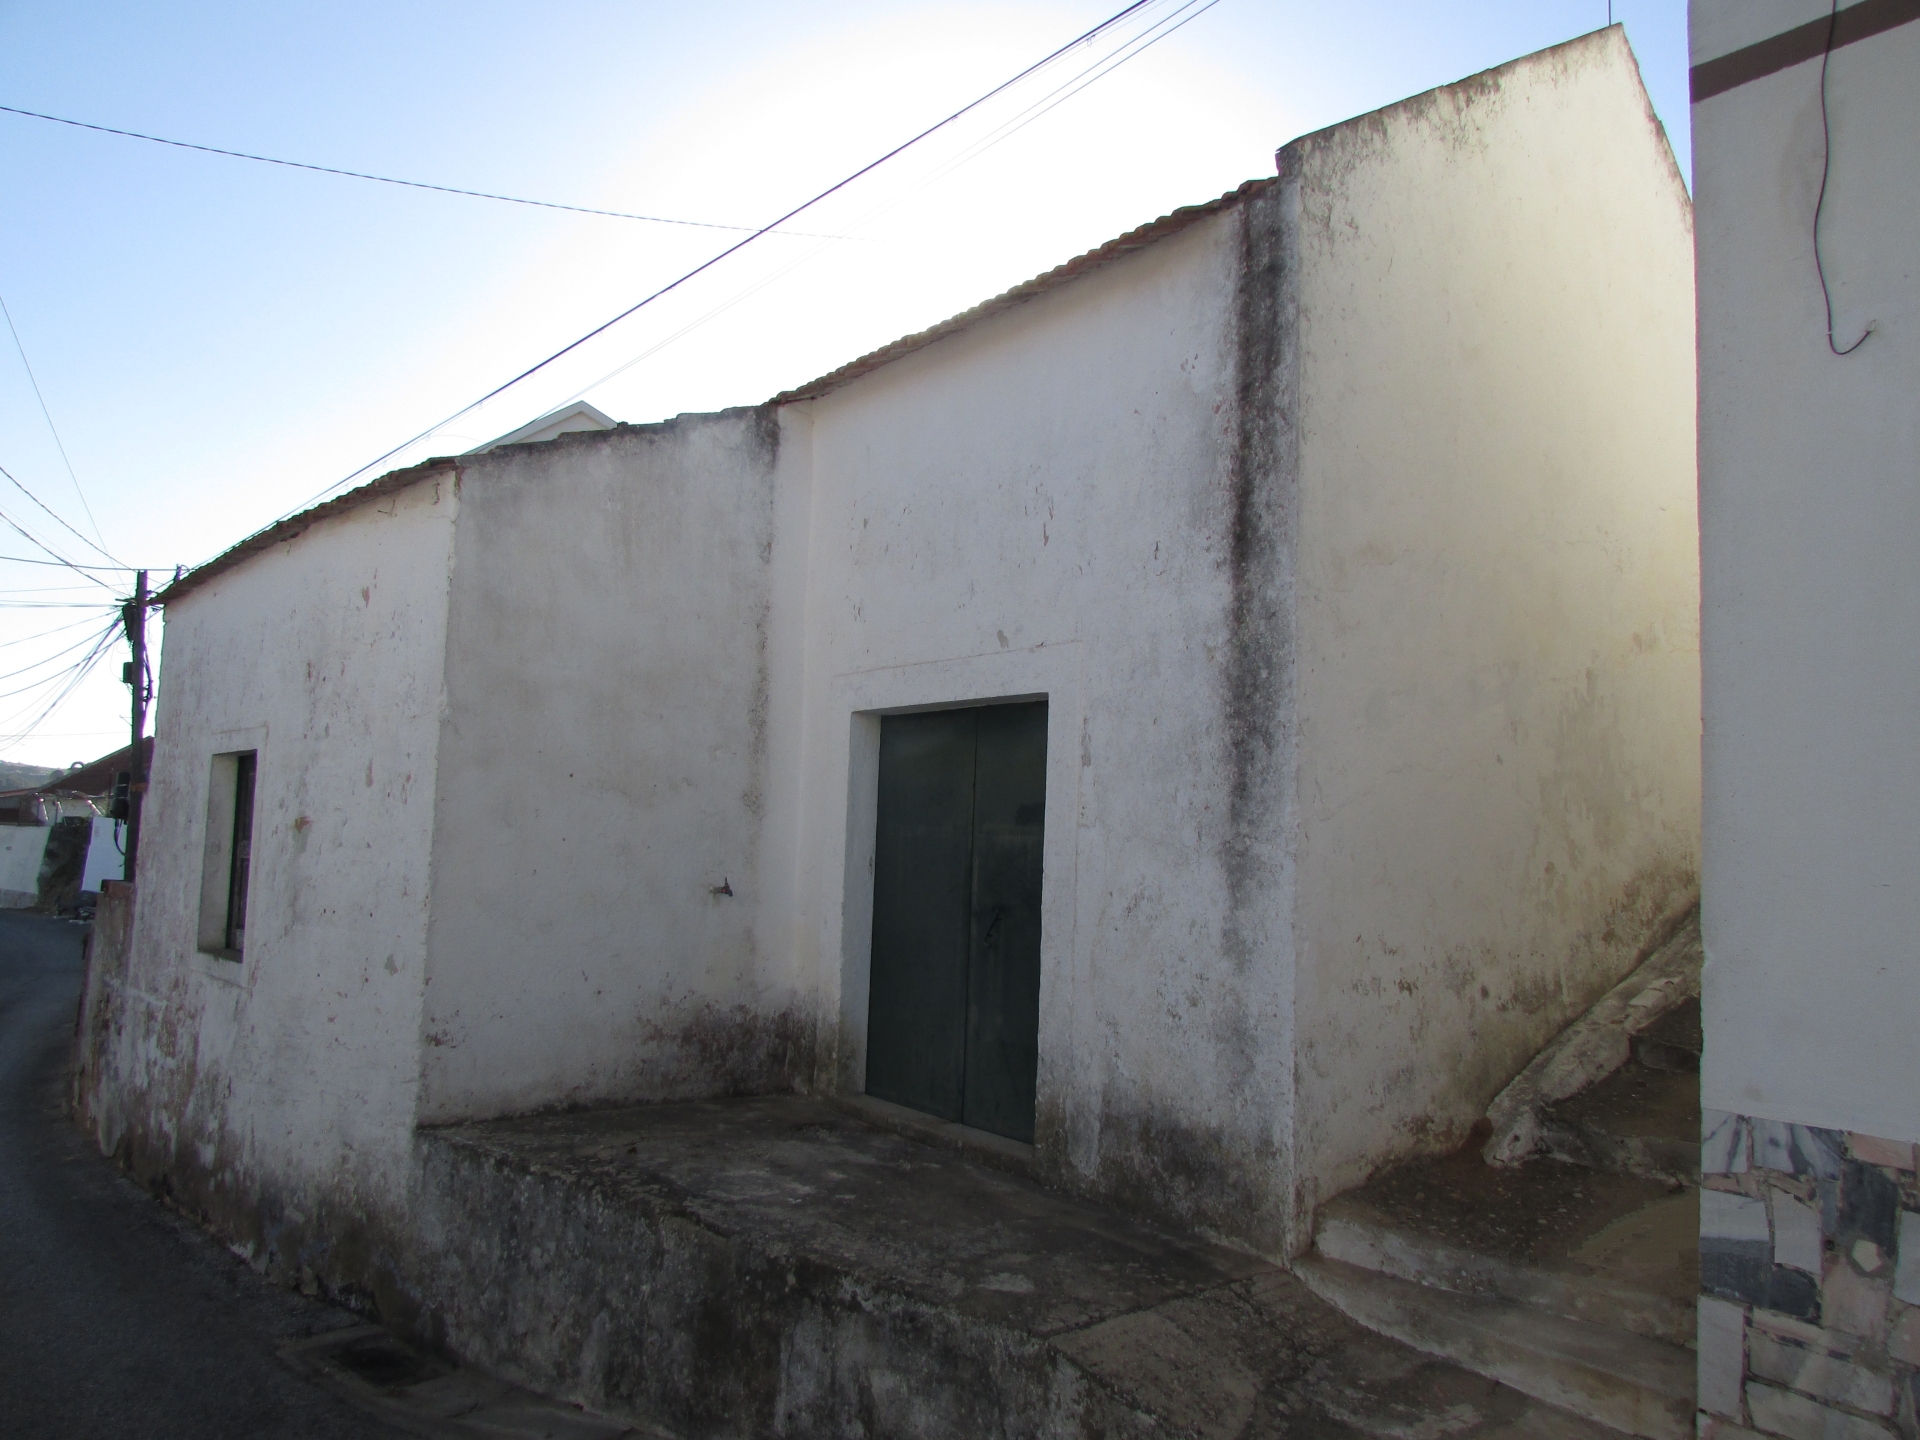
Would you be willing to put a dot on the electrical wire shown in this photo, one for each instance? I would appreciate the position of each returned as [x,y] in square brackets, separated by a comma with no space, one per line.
[41,716]
[388,179]
[1820,205]
[43,544]
[1019,121]
[31,560]
[1082,39]
[1071,86]
[43,634]
[48,659]
[74,678]
[34,380]
[35,540]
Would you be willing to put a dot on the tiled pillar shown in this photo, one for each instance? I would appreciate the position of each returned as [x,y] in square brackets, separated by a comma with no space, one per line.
[1810,1283]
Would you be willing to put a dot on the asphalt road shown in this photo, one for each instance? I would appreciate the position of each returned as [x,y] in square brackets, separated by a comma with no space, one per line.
[118,1319]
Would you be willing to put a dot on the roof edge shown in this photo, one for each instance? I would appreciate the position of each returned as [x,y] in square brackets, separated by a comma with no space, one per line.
[1096,259]
[298,524]
[1480,81]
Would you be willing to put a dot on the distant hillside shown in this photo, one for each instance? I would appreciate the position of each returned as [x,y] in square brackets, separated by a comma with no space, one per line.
[15,776]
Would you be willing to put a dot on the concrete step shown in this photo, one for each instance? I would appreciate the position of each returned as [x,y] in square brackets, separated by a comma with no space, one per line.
[1637,1121]
[1619,1295]
[1585,1244]
[1632,1383]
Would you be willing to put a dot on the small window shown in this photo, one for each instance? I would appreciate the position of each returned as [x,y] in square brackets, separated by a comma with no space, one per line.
[228,865]
[242,851]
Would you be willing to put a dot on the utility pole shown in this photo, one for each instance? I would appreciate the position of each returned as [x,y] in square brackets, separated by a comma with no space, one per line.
[133,615]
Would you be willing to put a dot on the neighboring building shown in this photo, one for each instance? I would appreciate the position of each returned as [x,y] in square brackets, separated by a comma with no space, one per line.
[574,419]
[1804,123]
[23,845]
[1272,634]
[57,841]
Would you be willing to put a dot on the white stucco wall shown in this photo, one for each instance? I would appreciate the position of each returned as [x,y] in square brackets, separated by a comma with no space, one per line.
[284,1083]
[1497,602]
[1346,532]
[602,772]
[1043,505]
[1810,524]
[105,858]
[22,848]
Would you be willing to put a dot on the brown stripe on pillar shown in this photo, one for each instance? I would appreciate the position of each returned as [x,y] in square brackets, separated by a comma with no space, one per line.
[1803,42]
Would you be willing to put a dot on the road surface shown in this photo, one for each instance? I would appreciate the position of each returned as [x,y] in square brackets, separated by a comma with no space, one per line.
[119,1320]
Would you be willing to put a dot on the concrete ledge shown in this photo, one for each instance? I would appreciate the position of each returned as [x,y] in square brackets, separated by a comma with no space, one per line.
[982,1145]
[776,1267]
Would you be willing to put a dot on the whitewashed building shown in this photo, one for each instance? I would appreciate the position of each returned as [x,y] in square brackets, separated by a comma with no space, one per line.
[1804,120]
[1271,637]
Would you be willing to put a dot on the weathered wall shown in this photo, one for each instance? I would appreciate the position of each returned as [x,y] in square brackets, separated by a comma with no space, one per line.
[22,847]
[602,773]
[1063,500]
[1497,612]
[105,859]
[276,1093]
[1810,524]
[1810,521]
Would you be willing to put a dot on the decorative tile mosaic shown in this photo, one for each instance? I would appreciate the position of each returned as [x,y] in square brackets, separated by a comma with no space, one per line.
[1809,1262]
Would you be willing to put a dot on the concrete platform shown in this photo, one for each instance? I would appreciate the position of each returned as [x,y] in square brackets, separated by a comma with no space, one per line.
[778,1267]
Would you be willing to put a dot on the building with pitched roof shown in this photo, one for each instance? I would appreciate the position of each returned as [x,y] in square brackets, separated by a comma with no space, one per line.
[1197,723]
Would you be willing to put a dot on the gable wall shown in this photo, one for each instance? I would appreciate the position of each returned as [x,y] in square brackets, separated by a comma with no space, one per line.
[1497,589]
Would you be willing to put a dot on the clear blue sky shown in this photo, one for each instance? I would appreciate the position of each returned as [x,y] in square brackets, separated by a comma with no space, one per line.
[217,341]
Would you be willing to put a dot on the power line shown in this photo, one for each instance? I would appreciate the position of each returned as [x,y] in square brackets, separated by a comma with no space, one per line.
[35,382]
[49,659]
[738,245]
[57,520]
[1105,65]
[49,604]
[30,560]
[1132,49]
[43,634]
[102,643]
[386,179]
[41,544]
[36,540]
[41,590]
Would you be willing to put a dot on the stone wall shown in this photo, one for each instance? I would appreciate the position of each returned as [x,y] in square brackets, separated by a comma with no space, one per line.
[1810,1281]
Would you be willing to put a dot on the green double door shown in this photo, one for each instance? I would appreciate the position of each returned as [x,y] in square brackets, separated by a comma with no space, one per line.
[953,1014]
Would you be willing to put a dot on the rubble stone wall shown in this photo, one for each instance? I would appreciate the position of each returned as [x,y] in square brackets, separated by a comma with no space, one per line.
[1810,1282]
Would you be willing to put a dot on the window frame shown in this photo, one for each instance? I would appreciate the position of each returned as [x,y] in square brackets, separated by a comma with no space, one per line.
[227,863]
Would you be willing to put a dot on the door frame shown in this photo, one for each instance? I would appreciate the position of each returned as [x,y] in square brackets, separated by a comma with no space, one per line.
[1051,673]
